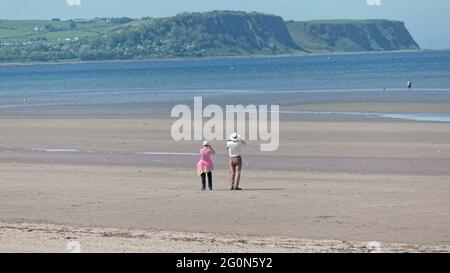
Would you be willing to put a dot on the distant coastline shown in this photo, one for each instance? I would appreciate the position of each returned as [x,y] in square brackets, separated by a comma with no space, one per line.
[191,35]
[75,61]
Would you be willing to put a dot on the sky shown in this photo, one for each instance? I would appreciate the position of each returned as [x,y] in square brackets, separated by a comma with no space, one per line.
[427,20]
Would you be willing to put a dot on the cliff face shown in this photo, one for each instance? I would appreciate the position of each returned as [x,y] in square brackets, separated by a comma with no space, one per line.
[351,35]
[239,33]
[214,33]
[255,31]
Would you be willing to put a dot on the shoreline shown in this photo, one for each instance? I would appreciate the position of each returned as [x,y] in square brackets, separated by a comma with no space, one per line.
[348,106]
[18,64]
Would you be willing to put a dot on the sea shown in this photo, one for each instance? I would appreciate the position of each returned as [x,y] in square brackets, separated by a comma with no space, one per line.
[153,87]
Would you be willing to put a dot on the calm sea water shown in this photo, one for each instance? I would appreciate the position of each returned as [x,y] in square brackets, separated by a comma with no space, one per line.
[140,87]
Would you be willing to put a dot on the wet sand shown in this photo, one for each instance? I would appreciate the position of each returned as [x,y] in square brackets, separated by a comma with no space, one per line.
[383,107]
[329,182]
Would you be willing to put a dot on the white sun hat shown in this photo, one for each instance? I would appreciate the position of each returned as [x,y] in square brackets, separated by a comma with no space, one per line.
[235,136]
[205,143]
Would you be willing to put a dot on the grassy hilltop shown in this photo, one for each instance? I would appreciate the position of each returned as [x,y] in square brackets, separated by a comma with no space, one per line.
[56,30]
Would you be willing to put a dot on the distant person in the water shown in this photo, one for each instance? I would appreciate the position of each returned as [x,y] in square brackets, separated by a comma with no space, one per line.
[205,166]
[409,84]
[234,146]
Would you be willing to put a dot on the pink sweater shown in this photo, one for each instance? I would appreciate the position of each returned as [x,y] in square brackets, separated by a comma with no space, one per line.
[205,164]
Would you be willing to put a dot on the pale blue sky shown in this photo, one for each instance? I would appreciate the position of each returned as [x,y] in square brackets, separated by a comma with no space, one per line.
[429,21]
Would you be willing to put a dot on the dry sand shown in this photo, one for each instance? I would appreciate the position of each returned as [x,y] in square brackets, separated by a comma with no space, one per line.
[332,186]
[63,239]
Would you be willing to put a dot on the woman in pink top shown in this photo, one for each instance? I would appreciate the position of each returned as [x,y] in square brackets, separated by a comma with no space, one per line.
[205,165]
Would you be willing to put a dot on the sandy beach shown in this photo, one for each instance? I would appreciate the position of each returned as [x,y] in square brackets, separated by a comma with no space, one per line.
[123,185]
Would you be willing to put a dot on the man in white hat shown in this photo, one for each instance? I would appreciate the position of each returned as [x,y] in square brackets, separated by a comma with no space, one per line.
[234,146]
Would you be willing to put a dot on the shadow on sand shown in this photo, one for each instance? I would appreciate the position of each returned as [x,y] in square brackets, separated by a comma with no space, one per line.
[252,189]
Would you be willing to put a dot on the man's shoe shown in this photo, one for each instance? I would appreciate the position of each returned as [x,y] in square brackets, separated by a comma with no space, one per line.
[238,189]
